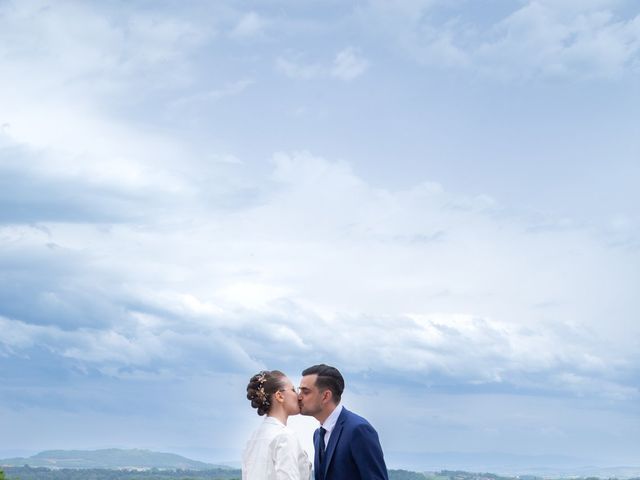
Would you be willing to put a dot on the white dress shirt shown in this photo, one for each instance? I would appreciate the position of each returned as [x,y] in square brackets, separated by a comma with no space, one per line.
[330,423]
[274,453]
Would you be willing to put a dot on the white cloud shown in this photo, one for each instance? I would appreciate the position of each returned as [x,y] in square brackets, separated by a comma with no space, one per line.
[296,69]
[540,39]
[95,49]
[229,90]
[408,281]
[537,39]
[251,295]
[250,25]
[64,67]
[348,64]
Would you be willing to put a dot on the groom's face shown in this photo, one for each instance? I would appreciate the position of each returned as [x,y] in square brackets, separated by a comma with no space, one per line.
[310,397]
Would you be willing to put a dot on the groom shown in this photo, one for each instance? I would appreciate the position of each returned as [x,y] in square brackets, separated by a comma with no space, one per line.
[347,446]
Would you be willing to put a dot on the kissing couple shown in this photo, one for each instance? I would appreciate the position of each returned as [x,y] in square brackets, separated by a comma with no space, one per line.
[346,445]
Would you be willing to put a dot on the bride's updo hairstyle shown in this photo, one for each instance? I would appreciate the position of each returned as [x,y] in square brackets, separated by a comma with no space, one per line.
[261,388]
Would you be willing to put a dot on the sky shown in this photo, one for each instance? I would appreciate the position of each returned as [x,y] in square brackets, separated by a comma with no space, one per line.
[440,198]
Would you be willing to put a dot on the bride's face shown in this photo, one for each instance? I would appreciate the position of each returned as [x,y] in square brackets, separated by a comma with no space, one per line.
[290,395]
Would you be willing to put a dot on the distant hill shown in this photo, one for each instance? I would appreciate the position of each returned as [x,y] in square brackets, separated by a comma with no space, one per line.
[511,465]
[44,473]
[138,464]
[113,458]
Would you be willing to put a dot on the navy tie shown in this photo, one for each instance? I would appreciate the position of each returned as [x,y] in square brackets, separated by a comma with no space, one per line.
[322,447]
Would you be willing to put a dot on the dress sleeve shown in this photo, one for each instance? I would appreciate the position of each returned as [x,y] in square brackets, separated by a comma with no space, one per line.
[285,457]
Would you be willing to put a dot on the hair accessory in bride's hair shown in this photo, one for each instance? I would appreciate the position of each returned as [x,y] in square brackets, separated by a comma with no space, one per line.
[262,378]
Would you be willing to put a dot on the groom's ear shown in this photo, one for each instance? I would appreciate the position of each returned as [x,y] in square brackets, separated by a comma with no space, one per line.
[327,395]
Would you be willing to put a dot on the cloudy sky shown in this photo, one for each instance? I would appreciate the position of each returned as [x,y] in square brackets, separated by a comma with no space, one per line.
[440,197]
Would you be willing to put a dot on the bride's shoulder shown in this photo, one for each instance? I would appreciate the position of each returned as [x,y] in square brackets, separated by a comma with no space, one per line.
[285,437]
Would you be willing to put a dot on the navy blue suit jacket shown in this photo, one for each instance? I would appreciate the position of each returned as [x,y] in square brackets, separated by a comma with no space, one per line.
[353,452]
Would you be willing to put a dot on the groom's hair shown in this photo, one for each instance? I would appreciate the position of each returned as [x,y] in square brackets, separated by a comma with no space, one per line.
[329,378]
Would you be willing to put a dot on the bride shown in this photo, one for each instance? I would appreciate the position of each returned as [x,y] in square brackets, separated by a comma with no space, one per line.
[273,451]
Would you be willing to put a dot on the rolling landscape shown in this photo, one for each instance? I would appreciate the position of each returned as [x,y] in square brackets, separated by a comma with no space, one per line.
[140,464]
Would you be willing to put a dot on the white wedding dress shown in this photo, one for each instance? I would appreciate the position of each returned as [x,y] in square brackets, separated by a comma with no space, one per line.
[274,453]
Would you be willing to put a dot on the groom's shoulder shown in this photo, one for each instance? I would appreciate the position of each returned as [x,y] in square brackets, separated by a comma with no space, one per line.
[354,419]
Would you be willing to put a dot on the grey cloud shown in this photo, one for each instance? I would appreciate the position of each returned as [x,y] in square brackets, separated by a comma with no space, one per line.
[127,351]
[51,287]
[248,287]
[39,186]
[442,351]
[29,198]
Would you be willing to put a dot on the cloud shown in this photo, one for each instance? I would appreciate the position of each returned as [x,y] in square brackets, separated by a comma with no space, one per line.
[415,282]
[99,51]
[294,69]
[231,89]
[542,40]
[563,39]
[67,152]
[250,25]
[348,64]
[74,165]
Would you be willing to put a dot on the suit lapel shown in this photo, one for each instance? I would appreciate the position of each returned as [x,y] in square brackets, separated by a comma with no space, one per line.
[333,440]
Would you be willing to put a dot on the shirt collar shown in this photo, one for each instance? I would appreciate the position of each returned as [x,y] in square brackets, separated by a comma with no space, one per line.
[332,419]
